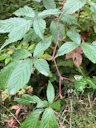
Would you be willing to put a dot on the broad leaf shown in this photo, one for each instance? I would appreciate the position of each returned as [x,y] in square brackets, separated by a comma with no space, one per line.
[42,66]
[42,104]
[50,93]
[37,0]
[48,119]
[42,46]
[90,82]
[56,105]
[25,11]
[32,121]
[80,84]
[25,99]
[66,47]
[49,4]
[39,26]
[74,36]
[39,102]
[69,19]
[8,25]
[89,51]
[17,28]
[49,12]
[54,28]
[21,54]
[18,75]
[5,73]
[71,6]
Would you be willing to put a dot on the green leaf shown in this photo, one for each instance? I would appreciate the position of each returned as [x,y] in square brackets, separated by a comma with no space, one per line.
[32,121]
[80,84]
[25,11]
[25,99]
[20,76]
[17,75]
[42,46]
[48,119]
[90,83]
[17,28]
[49,12]
[56,105]
[49,4]
[5,73]
[39,102]
[94,44]
[8,25]
[69,19]
[50,93]
[66,47]
[42,104]
[74,36]
[89,51]
[42,66]
[94,81]
[39,26]
[53,30]
[3,56]
[21,54]
[71,6]
[37,0]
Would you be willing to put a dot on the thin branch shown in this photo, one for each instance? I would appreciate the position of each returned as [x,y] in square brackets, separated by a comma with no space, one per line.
[11,113]
[54,52]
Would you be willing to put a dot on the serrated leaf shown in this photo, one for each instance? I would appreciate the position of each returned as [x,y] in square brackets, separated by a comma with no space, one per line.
[16,75]
[49,12]
[69,19]
[17,28]
[48,119]
[66,47]
[49,4]
[46,56]
[39,26]
[20,76]
[89,51]
[42,104]
[53,30]
[71,6]
[39,102]
[42,46]
[32,121]
[50,93]
[8,25]
[25,11]
[74,36]
[42,66]
[21,54]
[25,99]
[4,75]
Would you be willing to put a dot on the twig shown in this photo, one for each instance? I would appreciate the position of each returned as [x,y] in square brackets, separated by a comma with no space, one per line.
[54,52]
[11,113]
[71,109]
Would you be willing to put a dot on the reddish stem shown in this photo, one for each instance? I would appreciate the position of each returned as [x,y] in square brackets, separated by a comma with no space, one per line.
[54,52]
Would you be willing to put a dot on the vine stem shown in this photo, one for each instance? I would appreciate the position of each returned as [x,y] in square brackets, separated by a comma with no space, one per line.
[54,52]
